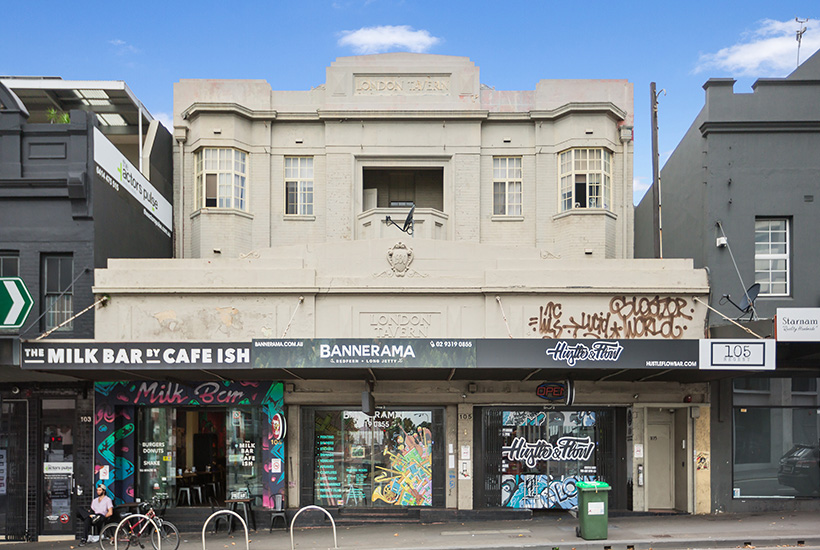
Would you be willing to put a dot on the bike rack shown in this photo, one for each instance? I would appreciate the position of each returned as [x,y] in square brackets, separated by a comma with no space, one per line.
[309,507]
[224,512]
[129,516]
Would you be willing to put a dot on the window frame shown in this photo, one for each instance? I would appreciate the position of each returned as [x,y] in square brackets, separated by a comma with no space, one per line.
[508,180]
[231,178]
[765,286]
[9,258]
[53,316]
[305,188]
[570,168]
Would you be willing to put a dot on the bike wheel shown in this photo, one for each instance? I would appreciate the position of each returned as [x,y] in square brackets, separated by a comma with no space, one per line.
[107,540]
[169,534]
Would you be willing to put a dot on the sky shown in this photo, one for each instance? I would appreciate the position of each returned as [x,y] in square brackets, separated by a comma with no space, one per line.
[678,45]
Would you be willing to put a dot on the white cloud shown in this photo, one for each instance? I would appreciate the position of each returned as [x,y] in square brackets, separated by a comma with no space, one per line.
[122,47]
[369,40]
[768,50]
[166,120]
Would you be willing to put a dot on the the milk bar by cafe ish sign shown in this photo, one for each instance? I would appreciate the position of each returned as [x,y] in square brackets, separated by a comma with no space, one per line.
[134,355]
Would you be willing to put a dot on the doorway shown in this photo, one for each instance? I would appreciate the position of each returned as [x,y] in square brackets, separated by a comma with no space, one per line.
[667,486]
[58,466]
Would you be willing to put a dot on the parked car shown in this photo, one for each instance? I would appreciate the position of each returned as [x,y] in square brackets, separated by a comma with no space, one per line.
[800,469]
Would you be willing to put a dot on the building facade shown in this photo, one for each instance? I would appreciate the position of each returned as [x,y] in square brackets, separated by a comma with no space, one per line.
[71,197]
[743,183]
[401,289]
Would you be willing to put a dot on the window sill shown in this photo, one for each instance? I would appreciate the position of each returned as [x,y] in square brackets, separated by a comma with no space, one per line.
[298,218]
[585,212]
[211,211]
[500,218]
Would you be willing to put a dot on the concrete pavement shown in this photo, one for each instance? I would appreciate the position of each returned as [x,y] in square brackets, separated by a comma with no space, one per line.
[784,529]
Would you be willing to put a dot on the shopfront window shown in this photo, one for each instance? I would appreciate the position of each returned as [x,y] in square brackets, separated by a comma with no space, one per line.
[244,452]
[156,453]
[380,460]
[777,441]
[535,458]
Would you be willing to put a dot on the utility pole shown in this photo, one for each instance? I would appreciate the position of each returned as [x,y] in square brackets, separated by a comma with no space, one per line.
[657,220]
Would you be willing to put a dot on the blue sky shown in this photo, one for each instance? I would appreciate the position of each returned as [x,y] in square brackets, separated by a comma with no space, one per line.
[679,45]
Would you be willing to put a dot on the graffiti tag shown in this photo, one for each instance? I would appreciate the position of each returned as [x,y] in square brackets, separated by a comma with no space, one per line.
[628,317]
[565,448]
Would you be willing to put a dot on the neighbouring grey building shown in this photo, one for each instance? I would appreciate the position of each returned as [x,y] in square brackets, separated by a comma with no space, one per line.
[740,196]
[85,176]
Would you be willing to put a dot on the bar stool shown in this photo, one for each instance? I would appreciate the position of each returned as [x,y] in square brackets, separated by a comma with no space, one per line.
[198,492]
[278,511]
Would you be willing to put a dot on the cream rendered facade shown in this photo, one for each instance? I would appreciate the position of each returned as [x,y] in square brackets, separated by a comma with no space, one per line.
[258,272]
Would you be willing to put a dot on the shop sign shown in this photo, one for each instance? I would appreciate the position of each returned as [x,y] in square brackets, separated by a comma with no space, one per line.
[176,394]
[556,392]
[134,356]
[364,353]
[737,354]
[118,172]
[798,324]
[564,449]
[587,354]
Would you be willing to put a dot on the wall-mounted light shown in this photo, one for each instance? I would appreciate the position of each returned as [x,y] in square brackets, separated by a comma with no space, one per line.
[472,387]
[217,130]
[721,242]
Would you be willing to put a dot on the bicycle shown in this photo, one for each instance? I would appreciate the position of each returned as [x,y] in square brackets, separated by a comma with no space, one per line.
[132,532]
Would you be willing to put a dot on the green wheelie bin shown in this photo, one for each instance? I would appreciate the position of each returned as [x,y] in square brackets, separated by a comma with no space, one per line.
[593,510]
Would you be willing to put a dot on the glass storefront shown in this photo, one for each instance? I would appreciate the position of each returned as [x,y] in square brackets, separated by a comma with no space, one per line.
[533,458]
[212,441]
[776,438]
[389,459]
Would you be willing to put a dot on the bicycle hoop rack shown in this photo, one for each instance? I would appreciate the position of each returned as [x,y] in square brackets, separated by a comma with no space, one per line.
[312,507]
[132,516]
[224,512]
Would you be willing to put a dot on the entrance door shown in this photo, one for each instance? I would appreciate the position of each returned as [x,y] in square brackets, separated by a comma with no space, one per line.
[58,466]
[156,453]
[660,481]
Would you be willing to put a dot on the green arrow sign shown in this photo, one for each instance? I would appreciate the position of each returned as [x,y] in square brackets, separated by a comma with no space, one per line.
[15,302]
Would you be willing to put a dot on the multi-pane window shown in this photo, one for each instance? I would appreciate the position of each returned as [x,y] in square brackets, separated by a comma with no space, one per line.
[772,256]
[58,294]
[9,264]
[299,185]
[586,178]
[507,186]
[221,176]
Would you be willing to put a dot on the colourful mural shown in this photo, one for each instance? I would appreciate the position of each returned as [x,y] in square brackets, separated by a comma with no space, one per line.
[408,479]
[540,491]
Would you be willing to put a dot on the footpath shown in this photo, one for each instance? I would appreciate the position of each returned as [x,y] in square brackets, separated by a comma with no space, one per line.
[752,530]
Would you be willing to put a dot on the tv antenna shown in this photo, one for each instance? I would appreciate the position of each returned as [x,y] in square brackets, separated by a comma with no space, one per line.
[409,224]
[800,34]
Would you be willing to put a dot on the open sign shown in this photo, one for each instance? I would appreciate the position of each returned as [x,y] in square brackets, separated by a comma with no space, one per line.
[556,391]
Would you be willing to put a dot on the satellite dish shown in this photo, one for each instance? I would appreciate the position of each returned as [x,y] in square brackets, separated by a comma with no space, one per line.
[408,222]
[747,304]
[749,298]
